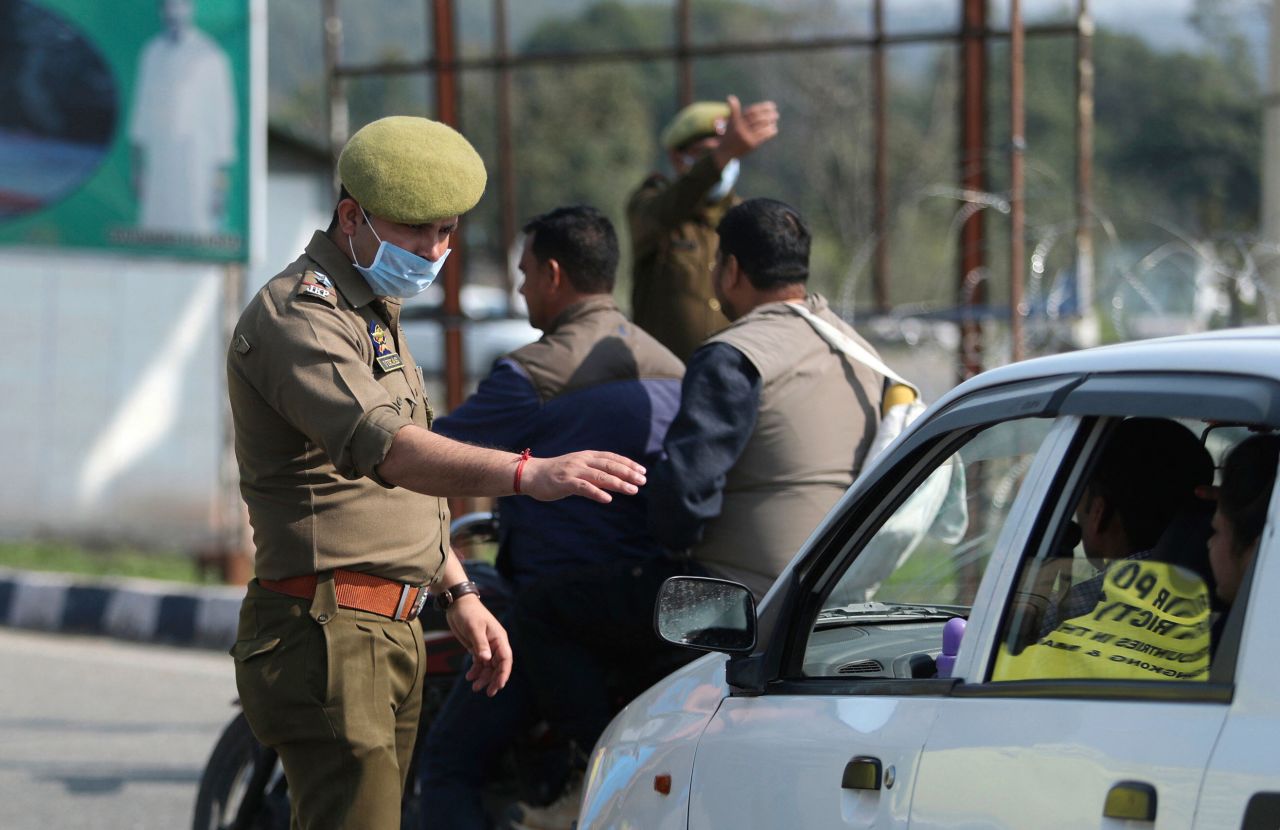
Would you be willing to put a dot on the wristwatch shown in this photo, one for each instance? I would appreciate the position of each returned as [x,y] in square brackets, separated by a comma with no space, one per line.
[449,596]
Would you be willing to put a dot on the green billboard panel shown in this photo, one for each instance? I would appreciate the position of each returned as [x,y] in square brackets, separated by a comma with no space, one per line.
[126,126]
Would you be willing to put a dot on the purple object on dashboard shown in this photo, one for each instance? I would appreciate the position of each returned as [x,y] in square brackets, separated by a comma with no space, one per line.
[952,632]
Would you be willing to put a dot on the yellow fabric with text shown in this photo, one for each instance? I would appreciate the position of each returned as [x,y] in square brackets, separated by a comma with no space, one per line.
[1151,623]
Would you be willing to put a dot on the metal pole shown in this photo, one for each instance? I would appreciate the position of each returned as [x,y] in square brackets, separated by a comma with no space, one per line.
[972,289]
[506,163]
[1271,155]
[880,223]
[447,112]
[1017,184]
[1086,330]
[684,40]
[335,85]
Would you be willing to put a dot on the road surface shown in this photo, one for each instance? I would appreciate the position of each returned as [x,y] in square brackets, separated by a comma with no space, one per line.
[96,733]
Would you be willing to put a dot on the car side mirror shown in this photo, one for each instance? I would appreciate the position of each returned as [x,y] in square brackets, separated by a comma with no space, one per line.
[706,614]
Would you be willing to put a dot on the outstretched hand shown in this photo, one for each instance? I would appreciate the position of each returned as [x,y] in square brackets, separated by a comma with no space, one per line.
[588,473]
[486,640]
[747,129]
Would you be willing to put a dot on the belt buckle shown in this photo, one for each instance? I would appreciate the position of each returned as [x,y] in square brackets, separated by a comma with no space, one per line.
[418,602]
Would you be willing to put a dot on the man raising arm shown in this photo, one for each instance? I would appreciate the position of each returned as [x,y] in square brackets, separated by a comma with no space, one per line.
[673,221]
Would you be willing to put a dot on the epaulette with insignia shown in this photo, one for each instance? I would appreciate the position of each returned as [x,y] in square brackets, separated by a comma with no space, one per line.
[317,286]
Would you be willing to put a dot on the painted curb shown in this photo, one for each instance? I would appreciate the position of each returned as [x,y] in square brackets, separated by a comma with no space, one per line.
[130,609]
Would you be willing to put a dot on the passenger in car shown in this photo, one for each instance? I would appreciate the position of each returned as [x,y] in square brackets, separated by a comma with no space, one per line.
[1248,475]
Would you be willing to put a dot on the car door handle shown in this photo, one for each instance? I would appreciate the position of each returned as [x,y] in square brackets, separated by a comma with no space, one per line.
[862,773]
[1132,800]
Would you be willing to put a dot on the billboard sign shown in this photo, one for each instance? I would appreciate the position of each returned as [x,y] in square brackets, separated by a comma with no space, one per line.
[126,126]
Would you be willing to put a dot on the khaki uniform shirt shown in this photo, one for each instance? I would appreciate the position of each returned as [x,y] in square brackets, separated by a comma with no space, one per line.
[320,382]
[674,241]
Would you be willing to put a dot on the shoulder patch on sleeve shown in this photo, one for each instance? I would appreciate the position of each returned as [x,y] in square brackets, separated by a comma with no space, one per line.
[317,286]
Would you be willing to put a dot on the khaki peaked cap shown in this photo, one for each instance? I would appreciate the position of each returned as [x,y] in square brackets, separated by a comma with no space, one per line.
[698,120]
[412,170]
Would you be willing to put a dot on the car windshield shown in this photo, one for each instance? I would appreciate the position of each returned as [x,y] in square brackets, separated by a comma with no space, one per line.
[930,551]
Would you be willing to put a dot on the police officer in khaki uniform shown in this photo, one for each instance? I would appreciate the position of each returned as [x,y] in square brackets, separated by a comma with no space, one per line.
[345,484]
[673,223]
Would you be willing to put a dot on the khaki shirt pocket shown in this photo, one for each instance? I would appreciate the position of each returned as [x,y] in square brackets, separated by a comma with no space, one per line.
[408,402]
[417,411]
[248,649]
[407,407]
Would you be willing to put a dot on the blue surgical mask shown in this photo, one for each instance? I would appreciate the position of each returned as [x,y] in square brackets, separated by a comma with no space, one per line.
[394,271]
[728,177]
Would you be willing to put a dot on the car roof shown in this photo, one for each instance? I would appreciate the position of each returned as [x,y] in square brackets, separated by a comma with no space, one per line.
[1253,351]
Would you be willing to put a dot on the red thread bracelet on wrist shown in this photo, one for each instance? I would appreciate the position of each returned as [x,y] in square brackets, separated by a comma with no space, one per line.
[524,456]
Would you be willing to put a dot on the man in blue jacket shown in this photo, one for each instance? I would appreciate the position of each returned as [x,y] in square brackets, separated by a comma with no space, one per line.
[594,380]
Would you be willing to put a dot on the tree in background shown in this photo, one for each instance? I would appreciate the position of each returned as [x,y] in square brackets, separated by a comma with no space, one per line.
[1177,133]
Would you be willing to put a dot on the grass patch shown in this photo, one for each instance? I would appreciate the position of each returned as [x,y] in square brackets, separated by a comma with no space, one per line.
[128,562]
[124,561]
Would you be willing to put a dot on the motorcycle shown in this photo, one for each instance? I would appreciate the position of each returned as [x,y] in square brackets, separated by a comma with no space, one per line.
[243,785]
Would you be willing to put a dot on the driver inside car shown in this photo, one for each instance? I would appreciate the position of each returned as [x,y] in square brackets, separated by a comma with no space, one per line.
[1140,526]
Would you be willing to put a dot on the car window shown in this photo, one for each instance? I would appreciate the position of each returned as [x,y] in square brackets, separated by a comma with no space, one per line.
[1151,614]
[885,615]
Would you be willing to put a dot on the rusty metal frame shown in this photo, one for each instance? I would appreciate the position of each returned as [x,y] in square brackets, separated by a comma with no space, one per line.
[880,169]
[1087,335]
[684,43]
[972,40]
[1017,183]
[335,88]
[692,51]
[443,43]
[972,287]
[506,153]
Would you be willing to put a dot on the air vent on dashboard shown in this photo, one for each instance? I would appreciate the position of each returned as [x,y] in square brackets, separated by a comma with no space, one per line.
[861,667]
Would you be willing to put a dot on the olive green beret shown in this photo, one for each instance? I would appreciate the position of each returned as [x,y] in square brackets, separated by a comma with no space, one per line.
[411,170]
[695,121]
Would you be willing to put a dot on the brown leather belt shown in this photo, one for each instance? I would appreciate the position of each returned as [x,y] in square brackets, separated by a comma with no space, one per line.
[361,591]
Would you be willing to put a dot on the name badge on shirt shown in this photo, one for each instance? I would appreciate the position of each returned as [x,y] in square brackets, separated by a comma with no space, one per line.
[386,358]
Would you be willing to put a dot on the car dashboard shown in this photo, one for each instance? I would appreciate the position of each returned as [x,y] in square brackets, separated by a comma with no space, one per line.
[900,649]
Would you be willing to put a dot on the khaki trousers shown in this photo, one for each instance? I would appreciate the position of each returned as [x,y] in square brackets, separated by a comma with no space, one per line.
[337,693]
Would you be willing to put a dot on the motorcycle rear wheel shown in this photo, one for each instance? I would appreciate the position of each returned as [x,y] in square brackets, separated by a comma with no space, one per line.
[229,778]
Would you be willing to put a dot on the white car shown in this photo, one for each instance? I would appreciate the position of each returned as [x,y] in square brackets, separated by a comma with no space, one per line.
[839,706]
[493,325]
